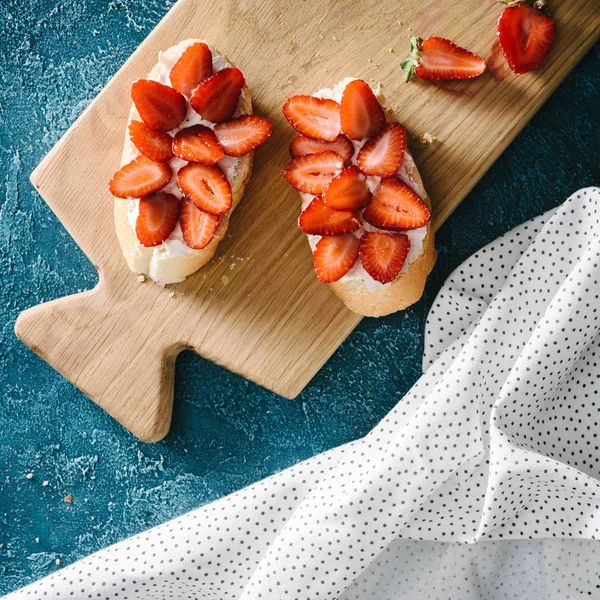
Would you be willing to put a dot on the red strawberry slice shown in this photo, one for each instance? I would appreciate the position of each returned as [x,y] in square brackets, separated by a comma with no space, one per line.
[525,34]
[192,68]
[395,206]
[243,135]
[317,118]
[216,98]
[437,59]
[383,254]
[302,145]
[197,144]
[362,115]
[140,177]
[159,213]
[334,256]
[206,186]
[318,219]
[383,154]
[197,226]
[348,190]
[156,145]
[313,172]
[161,107]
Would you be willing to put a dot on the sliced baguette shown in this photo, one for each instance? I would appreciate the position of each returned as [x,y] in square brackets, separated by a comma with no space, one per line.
[158,262]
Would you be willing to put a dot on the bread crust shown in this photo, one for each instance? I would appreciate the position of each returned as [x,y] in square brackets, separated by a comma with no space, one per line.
[408,287]
[175,268]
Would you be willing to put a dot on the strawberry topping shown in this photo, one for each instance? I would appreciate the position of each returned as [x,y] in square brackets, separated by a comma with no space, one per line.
[243,135]
[161,107]
[156,145]
[206,186]
[319,219]
[197,226]
[383,154]
[197,144]
[383,254]
[395,206]
[348,190]
[140,177]
[216,98]
[361,115]
[334,256]
[317,118]
[192,68]
[302,145]
[312,173]
[157,218]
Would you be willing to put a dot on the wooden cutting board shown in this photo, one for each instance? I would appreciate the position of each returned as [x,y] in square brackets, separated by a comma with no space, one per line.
[257,308]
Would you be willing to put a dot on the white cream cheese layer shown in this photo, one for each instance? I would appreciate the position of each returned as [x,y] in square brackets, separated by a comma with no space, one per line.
[149,261]
[416,236]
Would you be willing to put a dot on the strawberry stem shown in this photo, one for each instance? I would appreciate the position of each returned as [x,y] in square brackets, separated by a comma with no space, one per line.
[409,64]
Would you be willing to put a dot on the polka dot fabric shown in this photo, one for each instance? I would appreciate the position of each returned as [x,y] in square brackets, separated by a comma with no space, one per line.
[482,483]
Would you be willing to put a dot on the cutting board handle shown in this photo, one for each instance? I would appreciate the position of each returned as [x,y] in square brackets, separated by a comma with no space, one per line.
[109,355]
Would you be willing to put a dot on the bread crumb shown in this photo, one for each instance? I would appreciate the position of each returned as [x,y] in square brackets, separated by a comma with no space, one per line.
[141,278]
[68,499]
[320,37]
[111,503]
[29,475]
[45,483]
[427,138]
[370,60]
[334,38]
[225,279]
[232,266]
[57,561]
[391,50]
[172,294]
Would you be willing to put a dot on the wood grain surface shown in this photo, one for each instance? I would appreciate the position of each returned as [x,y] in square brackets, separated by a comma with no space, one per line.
[266,317]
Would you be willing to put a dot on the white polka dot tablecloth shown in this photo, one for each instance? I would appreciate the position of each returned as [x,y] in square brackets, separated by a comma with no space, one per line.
[482,483]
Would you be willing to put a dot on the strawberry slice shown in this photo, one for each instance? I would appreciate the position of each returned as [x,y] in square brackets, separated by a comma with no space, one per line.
[156,145]
[312,173]
[395,206]
[383,154]
[216,98]
[159,213]
[161,107]
[437,59]
[317,118]
[302,145]
[525,34]
[383,254]
[197,226]
[192,68]
[318,219]
[334,256]
[243,135]
[348,190]
[197,144]
[140,177]
[206,186]
[362,115]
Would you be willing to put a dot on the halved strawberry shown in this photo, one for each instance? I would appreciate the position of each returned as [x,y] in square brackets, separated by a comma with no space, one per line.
[197,144]
[348,190]
[302,145]
[197,226]
[140,177]
[525,34]
[159,213]
[156,145]
[383,254]
[334,256]
[395,206]
[313,172]
[318,219]
[216,98]
[240,136]
[437,59]
[206,186]
[317,118]
[192,68]
[161,107]
[383,154]
[362,116]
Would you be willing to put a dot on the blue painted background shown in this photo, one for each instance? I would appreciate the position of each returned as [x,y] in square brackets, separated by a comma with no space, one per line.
[55,56]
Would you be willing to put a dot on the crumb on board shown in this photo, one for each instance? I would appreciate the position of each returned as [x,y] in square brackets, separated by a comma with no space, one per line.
[427,138]
[141,278]
[29,476]
[57,561]
[172,294]
[225,279]
[45,483]
[68,499]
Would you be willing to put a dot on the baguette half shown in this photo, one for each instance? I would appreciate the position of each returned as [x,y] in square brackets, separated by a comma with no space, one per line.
[172,261]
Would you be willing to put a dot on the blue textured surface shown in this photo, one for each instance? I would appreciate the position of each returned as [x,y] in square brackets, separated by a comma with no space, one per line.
[56,56]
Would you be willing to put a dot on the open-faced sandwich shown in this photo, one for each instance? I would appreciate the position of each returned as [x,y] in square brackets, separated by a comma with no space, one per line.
[364,208]
[186,161]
